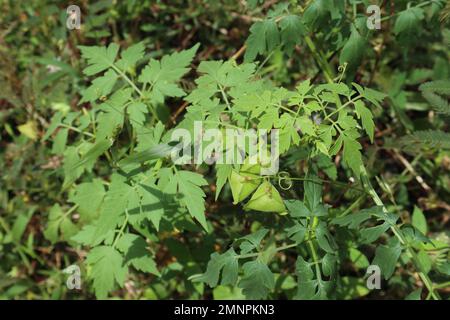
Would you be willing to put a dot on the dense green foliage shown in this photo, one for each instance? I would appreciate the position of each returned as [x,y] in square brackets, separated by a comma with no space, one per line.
[87,179]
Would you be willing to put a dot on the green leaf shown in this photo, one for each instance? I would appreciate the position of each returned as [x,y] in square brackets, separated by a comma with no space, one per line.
[252,241]
[100,87]
[86,235]
[366,118]
[264,37]
[189,185]
[108,124]
[313,191]
[408,20]
[137,111]
[386,258]
[298,231]
[223,171]
[372,95]
[162,75]
[54,124]
[71,159]
[29,129]
[434,91]
[292,30]
[358,258]
[329,264]
[114,206]
[352,155]
[287,135]
[309,288]
[352,288]
[110,121]
[415,295]
[353,50]
[297,208]
[413,234]
[306,126]
[304,87]
[20,224]
[257,281]
[315,13]
[419,221]
[425,261]
[131,56]
[97,149]
[327,166]
[369,235]
[227,293]
[153,153]
[88,196]
[136,254]
[99,58]
[425,139]
[59,143]
[151,207]
[107,269]
[59,226]
[353,221]
[225,264]
[325,239]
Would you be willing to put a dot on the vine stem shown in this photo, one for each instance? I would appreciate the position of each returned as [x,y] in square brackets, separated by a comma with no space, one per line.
[352,206]
[285,247]
[311,231]
[72,209]
[239,52]
[398,233]
[342,107]
[131,83]
[319,180]
[122,228]
[224,95]
[76,129]
[442,285]
[125,77]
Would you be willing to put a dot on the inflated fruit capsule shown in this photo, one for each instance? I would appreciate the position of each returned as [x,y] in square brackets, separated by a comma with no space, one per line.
[242,185]
[266,199]
[251,168]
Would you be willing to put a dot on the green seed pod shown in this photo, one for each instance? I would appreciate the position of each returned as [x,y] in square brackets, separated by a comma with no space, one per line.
[251,168]
[243,184]
[266,199]
[251,165]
